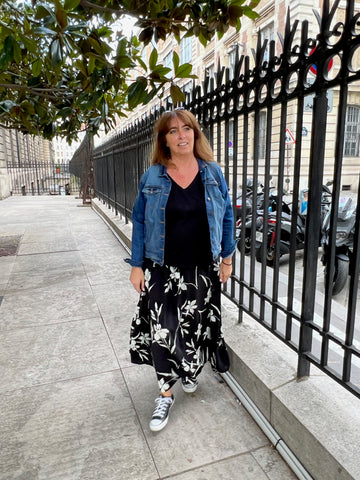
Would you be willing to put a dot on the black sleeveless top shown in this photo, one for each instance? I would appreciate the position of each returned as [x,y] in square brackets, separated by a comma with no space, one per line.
[187,236]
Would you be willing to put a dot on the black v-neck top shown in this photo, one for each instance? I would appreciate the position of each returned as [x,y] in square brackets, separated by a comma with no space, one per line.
[187,236]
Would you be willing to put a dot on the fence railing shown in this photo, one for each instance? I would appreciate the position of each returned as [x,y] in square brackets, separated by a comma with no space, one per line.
[39,178]
[282,121]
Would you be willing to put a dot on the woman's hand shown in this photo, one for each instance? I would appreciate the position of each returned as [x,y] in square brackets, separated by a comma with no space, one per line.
[225,270]
[137,278]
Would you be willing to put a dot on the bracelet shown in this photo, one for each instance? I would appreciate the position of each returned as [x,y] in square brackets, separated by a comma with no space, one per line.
[228,264]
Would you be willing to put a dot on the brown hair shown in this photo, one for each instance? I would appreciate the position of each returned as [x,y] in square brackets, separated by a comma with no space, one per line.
[161,153]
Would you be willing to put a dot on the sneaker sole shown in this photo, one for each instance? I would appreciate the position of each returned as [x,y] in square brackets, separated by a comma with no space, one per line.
[189,389]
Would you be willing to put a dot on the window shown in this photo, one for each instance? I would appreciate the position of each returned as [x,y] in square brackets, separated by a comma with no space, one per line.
[185,50]
[267,33]
[232,60]
[168,63]
[262,134]
[210,71]
[351,140]
[187,89]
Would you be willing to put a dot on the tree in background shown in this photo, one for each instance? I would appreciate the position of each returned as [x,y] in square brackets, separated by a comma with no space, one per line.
[66,66]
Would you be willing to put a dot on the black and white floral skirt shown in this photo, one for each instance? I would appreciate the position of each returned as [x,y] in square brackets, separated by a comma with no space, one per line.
[177,324]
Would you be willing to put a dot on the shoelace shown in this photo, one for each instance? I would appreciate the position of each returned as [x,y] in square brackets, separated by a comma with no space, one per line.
[162,404]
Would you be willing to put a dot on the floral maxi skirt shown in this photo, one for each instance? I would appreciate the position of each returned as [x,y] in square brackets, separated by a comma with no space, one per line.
[177,324]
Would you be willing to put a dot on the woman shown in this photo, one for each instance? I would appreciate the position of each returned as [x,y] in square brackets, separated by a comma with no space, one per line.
[182,245]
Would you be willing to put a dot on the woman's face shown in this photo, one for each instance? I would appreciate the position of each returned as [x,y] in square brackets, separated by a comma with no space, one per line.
[180,137]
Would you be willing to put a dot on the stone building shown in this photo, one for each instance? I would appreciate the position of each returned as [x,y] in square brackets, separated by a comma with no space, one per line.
[271,26]
[26,163]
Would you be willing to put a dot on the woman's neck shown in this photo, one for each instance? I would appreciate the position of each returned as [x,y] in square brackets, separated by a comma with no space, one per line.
[182,163]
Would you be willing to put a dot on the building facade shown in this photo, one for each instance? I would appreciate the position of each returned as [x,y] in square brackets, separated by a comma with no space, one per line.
[270,26]
[26,163]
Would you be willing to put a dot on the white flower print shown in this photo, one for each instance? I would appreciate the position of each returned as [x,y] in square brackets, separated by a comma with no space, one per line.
[160,333]
[181,285]
[207,334]
[208,297]
[163,385]
[181,316]
[212,316]
[198,332]
[155,314]
[174,273]
[189,307]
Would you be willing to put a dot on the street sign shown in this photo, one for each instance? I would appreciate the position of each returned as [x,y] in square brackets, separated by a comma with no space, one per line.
[313,68]
[289,137]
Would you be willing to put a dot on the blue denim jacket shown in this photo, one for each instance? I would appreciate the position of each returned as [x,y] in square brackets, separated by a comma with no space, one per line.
[148,215]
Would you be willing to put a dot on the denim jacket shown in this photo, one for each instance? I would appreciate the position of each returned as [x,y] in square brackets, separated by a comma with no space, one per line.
[148,215]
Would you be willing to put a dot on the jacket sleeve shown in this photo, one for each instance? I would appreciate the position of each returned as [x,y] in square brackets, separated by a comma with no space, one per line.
[228,244]
[138,231]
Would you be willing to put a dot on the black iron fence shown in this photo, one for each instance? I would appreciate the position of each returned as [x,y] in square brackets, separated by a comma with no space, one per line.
[289,122]
[38,178]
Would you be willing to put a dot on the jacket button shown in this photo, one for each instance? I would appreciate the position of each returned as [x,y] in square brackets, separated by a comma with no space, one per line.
[208,198]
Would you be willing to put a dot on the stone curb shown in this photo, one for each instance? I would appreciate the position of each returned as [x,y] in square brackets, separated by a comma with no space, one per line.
[316,418]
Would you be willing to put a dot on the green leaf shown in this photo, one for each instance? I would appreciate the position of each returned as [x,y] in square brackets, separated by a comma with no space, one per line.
[92,64]
[184,70]
[45,31]
[55,52]
[137,92]
[17,52]
[153,59]
[36,67]
[250,13]
[61,17]
[146,36]
[177,95]
[41,12]
[4,30]
[28,107]
[80,66]
[176,62]
[7,55]
[30,44]
[71,4]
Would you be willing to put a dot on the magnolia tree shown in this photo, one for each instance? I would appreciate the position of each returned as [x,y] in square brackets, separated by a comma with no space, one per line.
[66,65]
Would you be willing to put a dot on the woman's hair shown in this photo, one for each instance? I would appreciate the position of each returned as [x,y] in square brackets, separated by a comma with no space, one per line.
[161,153]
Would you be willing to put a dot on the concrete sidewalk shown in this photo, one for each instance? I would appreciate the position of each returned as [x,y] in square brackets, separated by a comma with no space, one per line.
[71,405]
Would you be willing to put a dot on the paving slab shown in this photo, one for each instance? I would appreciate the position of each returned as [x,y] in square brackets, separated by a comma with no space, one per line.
[48,353]
[80,429]
[194,435]
[32,307]
[72,406]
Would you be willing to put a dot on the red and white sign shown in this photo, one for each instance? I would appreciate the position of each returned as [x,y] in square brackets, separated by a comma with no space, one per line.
[289,137]
[313,68]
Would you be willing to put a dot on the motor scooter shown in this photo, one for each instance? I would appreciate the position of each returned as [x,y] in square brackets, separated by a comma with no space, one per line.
[345,228]
[285,237]
[286,230]
[259,214]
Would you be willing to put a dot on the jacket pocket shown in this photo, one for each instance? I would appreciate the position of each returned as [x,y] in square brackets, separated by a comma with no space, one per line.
[152,195]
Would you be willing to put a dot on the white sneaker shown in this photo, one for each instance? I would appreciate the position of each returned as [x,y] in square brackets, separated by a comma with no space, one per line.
[189,386]
[161,413]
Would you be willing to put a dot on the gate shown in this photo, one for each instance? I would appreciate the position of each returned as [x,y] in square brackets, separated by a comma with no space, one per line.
[284,120]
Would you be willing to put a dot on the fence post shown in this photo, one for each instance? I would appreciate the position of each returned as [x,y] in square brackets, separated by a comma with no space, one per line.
[313,225]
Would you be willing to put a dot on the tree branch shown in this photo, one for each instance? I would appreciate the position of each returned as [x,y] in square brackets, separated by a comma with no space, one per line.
[87,4]
[40,92]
